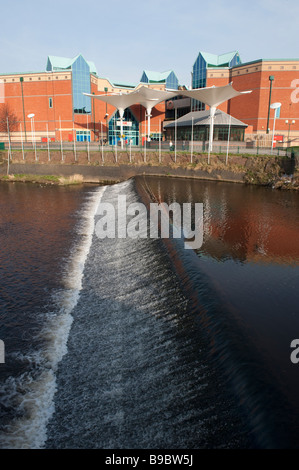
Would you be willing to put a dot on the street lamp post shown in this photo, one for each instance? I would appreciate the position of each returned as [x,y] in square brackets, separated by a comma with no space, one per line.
[289,124]
[271,78]
[274,106]
[31,117]
[21,80]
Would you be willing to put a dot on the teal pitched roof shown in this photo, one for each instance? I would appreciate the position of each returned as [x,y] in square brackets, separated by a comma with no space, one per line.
[64,63]
[157,76]
[218,60]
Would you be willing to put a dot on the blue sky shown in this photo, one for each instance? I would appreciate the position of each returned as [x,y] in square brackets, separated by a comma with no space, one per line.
[124,38]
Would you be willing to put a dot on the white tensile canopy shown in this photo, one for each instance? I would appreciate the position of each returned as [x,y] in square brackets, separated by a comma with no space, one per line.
[213,97]
[148,97]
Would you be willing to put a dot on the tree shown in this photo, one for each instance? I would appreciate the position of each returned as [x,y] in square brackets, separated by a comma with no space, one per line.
[7,115]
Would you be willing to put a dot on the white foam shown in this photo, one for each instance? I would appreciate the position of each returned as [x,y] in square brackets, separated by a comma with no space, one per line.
[36,402]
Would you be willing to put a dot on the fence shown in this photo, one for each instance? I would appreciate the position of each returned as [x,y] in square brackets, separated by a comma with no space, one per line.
[235,148]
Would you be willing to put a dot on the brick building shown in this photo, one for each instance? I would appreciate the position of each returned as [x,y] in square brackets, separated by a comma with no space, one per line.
[55,98]
[279,77]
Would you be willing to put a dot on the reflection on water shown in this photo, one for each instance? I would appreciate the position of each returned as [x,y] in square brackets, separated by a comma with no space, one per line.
[166,347]
[244,223]
[250,259]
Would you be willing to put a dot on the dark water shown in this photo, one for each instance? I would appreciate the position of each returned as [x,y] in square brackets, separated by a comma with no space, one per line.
[123,343]
[43,231]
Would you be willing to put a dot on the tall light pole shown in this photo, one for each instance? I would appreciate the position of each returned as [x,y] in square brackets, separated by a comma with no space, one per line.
[276,107]
[94,120]
[289,124]
[21,80]
[271,78]
[31,117]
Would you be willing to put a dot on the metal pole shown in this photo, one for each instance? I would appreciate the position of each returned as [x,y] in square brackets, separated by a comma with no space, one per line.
[130,150]
[121,133]
[175,132]
[88,154]
[21,80]
[94,120]
[145,140]
[192,139]
[228,138]
[148,123]
[32,131]
[160,141]
[272,144]
[75,139]
[115,137]
[49,157]
[61,148]
[271,78]
[34,140]
[22,142]
[9,147]
[212,114]
[102,142]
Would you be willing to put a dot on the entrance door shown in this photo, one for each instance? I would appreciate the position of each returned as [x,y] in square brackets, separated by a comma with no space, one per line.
[130,129]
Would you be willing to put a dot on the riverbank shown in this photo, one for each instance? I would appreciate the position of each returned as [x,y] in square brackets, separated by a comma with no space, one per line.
[277,172]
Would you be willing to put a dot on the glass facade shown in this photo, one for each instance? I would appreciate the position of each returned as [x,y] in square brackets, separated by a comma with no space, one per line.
[199,80]
[235,61]
[201,133]
[81,84]
[130,131]
[172,82]
[83,136]
[199,73]
[199,77]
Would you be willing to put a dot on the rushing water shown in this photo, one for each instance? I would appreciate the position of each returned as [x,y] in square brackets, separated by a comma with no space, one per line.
[123,343]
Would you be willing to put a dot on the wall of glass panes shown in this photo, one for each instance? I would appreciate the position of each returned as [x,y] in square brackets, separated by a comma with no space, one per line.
[202,133]
[172,82]
[130,132]
[81,84]
[83,136]
[156,136]
[199,80]
[235,61]
[199,75]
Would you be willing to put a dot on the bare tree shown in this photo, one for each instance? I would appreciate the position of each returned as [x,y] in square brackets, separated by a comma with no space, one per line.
[7,115]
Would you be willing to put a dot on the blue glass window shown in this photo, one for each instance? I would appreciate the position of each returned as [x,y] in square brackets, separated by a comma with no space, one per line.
[81,84]
[130,132]
[199,80]
[172,82]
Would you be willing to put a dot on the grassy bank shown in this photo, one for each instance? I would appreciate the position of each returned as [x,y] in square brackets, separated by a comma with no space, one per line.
[43,179]
[264,170]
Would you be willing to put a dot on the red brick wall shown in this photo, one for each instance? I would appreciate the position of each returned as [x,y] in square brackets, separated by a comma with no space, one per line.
[36,100]
[253,109]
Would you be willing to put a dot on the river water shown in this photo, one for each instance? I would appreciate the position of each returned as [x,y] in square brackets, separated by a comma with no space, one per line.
[139,343]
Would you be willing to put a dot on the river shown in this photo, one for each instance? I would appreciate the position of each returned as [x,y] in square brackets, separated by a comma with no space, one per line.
[139,343]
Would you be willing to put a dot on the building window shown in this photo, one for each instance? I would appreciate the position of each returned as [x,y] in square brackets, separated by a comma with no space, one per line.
[130,129]
[81,84]
[83,136]
[50,102]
